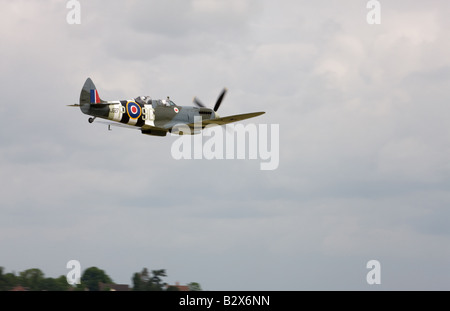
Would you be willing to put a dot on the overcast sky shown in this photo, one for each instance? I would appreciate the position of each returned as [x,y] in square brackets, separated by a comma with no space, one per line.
[364,170]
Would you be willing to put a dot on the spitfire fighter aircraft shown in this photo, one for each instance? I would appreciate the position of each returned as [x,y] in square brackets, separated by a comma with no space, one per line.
[154,116]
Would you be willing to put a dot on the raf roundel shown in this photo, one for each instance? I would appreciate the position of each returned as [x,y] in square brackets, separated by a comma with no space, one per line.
[176,110]
[134,110]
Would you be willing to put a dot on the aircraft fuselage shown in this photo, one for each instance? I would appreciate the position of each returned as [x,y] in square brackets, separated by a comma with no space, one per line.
[156,113]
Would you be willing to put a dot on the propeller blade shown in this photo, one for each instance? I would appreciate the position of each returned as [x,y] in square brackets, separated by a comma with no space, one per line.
[198,103]
[219,100]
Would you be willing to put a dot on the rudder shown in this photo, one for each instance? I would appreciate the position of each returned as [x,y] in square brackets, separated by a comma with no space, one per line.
[89,93]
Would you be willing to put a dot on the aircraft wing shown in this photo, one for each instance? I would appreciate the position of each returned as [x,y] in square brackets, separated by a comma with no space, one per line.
[218,121]
[151,130]
[230,119]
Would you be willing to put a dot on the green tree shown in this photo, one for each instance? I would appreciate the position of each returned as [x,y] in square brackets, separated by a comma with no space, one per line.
[145,275]
[194,287]
[138,283]
[143,281]
[156,279]
[92,276]
[8,280]
[172,288]
[62,284]
[140,280]
[11,280]
[3,284]
[31,278]
[58,284]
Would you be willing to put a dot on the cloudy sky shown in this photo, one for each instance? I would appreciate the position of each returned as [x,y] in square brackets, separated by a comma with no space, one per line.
[364,143]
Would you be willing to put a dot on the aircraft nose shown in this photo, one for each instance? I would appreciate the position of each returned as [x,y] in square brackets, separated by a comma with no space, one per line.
[216,115]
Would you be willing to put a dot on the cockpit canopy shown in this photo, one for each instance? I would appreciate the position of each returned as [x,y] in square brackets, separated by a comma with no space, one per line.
[146,100]
[164,102]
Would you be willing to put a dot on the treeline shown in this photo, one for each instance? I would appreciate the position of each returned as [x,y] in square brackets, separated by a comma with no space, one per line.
[92,279]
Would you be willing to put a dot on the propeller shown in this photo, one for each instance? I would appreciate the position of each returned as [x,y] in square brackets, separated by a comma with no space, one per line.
[218,101]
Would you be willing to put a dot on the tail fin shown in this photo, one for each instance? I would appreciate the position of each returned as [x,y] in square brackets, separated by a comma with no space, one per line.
[89,94]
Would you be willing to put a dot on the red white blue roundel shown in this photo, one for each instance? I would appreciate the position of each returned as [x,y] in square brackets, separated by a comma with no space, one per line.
[134,110]
[176,109]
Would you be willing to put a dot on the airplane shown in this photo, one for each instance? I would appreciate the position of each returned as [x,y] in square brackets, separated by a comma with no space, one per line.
[155,117]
